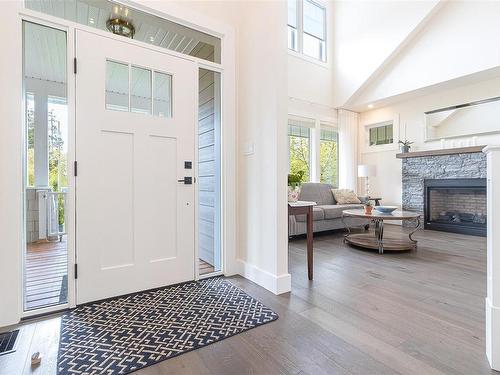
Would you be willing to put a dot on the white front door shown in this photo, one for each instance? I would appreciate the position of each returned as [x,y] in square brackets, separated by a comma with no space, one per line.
[135,128]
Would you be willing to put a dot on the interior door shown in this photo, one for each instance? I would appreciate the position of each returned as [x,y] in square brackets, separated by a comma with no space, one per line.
[135,128]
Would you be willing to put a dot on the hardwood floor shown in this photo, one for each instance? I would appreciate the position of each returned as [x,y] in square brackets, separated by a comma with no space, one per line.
[205,267]
[46,268]
[419,312]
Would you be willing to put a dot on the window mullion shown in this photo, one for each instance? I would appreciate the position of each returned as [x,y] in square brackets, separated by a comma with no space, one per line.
[300,25]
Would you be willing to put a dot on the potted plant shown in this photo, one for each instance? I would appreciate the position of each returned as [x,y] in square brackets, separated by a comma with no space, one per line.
[368,207]
[294,181]
[405,146]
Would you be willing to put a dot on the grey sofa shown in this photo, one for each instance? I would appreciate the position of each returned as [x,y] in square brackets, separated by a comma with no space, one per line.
[326,215]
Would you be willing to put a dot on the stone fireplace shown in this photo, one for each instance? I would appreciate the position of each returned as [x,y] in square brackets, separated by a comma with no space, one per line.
[448,188]
[455,205]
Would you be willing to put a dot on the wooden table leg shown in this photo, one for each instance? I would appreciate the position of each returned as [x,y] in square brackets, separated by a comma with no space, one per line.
[310,243]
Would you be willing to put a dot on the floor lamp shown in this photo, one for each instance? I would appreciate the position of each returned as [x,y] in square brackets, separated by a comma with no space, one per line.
[367,171]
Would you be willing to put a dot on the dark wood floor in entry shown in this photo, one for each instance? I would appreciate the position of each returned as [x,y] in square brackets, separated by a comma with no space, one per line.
[418,312]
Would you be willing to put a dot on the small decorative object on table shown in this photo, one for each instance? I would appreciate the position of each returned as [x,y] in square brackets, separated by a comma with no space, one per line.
[368,207]
[386,209]
[36,358]
[405,146]
[294,181]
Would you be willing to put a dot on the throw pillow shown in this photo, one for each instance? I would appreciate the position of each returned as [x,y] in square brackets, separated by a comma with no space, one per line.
[345,196]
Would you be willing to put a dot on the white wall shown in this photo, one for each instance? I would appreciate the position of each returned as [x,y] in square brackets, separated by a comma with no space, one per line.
[461,38]
[366,33]
[387,184]
[10,166]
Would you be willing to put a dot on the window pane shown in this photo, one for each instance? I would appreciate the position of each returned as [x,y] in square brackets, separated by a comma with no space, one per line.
[140,90]
[314,47]
[292,38]
[292,13]
[162,95]
[299,140]
[328,159]
[116,86]
[381,135]
[314,19]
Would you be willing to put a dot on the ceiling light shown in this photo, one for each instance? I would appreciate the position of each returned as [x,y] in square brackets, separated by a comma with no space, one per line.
[121,27]
[370,106]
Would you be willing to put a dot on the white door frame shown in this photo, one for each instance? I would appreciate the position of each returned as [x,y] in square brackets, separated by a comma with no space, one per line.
[70,93]
[228,138]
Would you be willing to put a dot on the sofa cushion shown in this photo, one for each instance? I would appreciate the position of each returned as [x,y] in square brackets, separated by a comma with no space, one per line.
[345,196]
[335,211]
[318,214]
[317,192]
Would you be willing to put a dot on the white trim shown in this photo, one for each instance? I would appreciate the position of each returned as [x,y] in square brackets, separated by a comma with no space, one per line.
[275,284]
[492,324]
[70,240]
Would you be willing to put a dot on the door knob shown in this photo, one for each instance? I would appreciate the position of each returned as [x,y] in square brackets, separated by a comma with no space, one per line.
[186,180]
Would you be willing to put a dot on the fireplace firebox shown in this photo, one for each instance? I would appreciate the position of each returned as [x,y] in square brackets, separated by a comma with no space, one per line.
[456,205]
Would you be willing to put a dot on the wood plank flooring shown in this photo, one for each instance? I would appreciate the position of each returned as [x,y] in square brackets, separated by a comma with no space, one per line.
[205,267]
[46,265]
[419,312]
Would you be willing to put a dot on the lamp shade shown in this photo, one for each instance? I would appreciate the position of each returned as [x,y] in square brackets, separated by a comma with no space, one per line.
[366,170]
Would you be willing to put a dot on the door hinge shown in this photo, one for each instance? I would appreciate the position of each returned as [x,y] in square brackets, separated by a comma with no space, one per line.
[74,65]
[76,271]
[75,168]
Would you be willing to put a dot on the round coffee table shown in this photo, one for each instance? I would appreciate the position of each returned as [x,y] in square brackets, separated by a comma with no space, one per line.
[376,240]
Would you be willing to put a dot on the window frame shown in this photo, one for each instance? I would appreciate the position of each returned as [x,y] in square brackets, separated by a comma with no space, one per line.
[367,148]
[330,127]
[315,126]
[310,139]
[299,51]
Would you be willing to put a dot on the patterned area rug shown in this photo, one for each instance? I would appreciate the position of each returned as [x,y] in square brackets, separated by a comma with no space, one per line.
[125,334]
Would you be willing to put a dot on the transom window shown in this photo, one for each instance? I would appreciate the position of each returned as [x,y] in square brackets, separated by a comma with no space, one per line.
[307,28]
[381,134]
[136,89]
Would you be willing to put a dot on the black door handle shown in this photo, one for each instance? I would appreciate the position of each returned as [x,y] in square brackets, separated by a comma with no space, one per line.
[186,180]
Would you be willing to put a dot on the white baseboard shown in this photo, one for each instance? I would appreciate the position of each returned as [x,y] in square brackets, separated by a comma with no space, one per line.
[493,335]
[276,284]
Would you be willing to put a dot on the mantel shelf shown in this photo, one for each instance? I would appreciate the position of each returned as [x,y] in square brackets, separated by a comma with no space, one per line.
[447,151]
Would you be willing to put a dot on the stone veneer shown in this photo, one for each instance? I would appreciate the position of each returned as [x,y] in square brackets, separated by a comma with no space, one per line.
[417,169]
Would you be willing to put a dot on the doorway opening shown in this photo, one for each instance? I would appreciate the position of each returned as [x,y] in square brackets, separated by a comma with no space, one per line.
[46,166]
[209,172]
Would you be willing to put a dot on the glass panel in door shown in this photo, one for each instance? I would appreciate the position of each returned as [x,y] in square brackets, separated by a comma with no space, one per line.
[209,176]
[46,168]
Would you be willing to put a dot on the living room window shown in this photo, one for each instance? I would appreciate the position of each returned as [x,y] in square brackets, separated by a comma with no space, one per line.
[381,134]
[307,28]
[313,149]
[328,155]
[299,140]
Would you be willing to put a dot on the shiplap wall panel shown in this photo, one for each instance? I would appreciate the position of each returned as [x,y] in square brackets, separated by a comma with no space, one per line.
[206,165]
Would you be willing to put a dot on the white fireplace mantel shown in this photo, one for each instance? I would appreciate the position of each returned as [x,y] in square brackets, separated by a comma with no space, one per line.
[493,257]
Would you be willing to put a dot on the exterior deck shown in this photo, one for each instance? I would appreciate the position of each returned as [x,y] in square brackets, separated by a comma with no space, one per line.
[46,281]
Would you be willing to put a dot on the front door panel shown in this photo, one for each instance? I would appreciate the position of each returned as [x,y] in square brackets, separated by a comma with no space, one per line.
[135,127]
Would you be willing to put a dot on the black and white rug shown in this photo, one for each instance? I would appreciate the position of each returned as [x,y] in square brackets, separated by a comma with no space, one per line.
[125,334]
